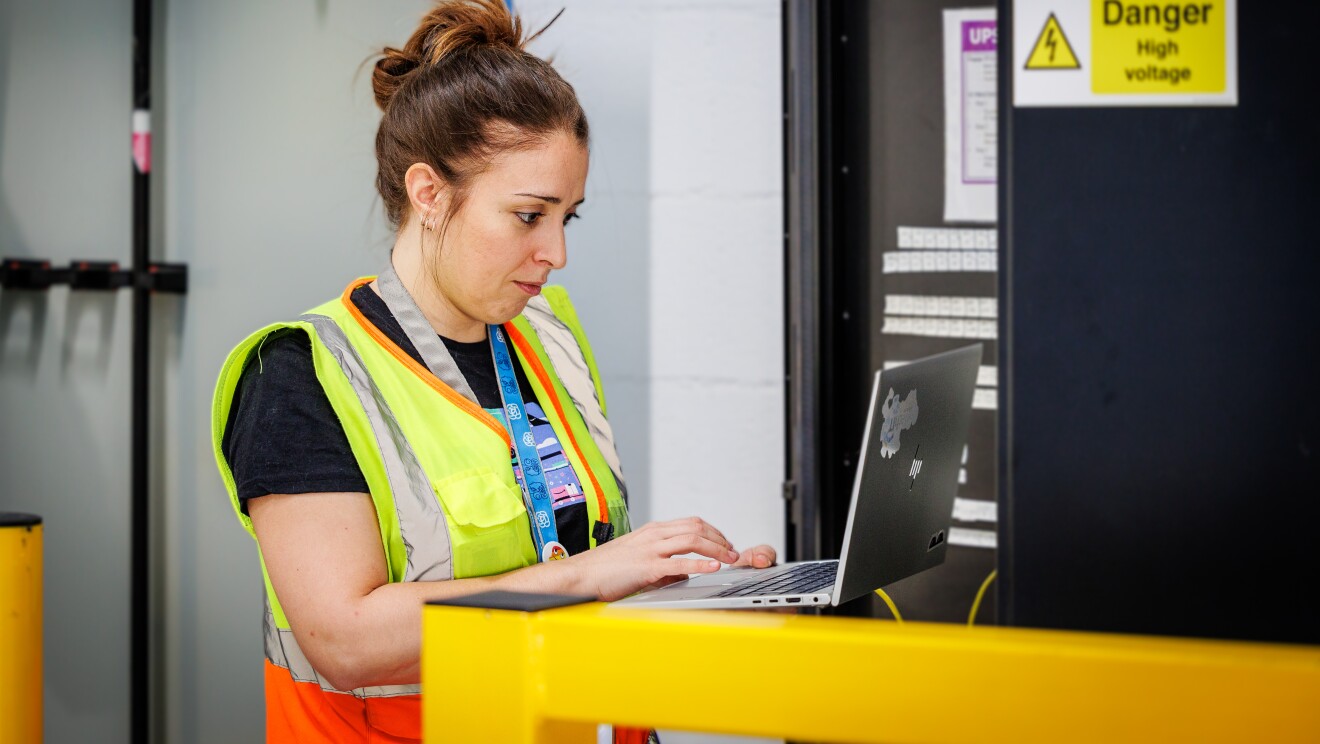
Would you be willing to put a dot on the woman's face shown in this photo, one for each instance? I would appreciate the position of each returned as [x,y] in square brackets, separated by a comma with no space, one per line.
[509,234]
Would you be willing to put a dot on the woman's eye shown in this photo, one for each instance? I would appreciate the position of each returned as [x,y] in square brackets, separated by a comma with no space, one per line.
[570,216]
[528,218]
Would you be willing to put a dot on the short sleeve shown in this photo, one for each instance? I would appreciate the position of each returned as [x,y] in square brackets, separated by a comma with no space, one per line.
[283,436]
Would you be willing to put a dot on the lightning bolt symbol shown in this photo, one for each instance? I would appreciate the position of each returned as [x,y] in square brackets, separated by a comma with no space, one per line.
[1049,42]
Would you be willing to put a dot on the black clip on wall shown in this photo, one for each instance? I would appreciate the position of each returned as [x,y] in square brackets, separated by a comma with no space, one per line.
[37,274]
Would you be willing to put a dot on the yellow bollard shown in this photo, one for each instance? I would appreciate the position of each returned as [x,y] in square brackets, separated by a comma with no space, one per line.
[20,628]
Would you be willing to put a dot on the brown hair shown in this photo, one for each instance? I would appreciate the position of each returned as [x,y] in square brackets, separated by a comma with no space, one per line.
[459,93]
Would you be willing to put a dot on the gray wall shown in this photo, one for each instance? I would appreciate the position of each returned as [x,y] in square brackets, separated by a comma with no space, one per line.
[266,169]
[263,185]
[64,418]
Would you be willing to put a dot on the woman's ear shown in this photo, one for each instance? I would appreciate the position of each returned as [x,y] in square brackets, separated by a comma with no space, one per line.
[427,193]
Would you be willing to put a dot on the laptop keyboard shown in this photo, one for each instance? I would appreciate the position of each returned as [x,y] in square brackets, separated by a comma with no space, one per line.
[801,579]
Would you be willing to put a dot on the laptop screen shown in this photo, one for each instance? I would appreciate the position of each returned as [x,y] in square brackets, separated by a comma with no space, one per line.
[907,476]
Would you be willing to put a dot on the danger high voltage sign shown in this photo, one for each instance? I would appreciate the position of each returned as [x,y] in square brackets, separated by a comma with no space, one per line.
[1124,53]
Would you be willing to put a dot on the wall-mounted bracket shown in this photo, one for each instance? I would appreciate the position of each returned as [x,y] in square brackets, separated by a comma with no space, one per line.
[39,275]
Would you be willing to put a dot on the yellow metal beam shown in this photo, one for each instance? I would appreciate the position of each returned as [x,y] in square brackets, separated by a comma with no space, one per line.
[524,678]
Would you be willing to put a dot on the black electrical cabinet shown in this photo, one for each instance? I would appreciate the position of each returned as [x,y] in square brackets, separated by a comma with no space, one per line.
[1160,359]
[1158,335]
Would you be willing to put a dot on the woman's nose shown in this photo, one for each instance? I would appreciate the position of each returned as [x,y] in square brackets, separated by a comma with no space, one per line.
[553,251]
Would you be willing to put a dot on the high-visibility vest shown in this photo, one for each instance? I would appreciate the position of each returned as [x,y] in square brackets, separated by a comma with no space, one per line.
[438,468]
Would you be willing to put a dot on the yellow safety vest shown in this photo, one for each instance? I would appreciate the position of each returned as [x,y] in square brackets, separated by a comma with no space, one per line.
[437,464]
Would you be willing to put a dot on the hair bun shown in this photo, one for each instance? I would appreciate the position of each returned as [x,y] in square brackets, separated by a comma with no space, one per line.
[456,24]
[392,70]
[450,26]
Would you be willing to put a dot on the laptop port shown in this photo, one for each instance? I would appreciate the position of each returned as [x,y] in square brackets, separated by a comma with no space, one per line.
[756,601]
[793,600]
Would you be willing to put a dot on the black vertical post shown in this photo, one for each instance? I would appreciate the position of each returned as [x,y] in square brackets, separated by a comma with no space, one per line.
[801,490]
[139,537]
[826,268]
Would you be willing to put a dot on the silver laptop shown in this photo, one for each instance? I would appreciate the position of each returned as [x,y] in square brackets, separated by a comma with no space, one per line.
[902,499]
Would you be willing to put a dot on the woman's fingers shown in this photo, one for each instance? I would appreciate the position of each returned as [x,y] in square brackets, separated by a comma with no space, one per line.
[761,556]
[679,566]
[683,544]
[692,526]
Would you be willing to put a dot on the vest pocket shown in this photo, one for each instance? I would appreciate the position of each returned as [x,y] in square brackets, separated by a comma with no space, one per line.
[488,525]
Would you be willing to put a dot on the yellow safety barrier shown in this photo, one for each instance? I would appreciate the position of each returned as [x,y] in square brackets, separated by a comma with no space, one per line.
[20,628]
[536,677]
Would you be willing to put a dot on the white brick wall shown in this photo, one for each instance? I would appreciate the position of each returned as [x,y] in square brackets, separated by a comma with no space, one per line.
[716,266]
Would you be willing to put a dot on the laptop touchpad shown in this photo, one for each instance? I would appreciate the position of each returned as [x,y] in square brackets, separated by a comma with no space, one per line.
[722,577]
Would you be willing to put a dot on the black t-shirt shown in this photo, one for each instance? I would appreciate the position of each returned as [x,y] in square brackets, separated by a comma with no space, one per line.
[283,435]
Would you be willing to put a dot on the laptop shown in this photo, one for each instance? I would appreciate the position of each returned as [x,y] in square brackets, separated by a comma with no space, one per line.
[902,499]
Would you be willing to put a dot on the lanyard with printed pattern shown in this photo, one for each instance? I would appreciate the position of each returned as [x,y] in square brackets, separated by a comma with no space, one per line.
[536,495]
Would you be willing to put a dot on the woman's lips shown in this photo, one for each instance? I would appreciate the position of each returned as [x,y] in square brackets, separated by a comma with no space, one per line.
[531,289]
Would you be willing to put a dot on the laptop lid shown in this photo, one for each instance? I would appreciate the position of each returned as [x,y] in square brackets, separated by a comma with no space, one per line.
[907,474]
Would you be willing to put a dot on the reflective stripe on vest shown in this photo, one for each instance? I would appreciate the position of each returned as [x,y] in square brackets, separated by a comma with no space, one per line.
[577,374]
[283,651]
[421,520]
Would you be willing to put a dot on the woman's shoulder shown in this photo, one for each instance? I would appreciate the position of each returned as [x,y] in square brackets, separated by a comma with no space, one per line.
[281,361]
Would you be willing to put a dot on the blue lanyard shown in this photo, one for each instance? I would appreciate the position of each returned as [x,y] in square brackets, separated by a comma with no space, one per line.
[536,496]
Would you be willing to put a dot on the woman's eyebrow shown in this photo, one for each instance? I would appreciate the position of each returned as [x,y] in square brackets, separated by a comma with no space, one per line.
[550,199]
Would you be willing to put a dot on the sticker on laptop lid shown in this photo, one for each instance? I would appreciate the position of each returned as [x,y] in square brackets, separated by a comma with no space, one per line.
[900,414]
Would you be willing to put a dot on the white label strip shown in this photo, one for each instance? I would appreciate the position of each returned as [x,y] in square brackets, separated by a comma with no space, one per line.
[922,262]
[985,399]
[970,538]
[948,237]
[941,306]
[986,376]
[975,510]
[941,327]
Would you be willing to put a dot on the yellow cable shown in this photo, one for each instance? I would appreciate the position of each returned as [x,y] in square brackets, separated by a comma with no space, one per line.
[890,602]
[980,594]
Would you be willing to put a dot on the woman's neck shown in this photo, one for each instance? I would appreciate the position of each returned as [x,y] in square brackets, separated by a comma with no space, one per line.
[439,310]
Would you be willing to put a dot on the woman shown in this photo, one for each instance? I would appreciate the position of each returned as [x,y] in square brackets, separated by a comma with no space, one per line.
[439,430]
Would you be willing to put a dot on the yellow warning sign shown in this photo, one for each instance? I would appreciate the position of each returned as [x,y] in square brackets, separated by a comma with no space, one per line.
[1052,50]
[1169,47]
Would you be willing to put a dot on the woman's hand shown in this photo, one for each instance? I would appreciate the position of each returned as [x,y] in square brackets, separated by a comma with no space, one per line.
[648,556]
[761,556]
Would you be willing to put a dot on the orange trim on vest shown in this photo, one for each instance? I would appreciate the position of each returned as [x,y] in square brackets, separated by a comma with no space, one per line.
[529,356]
[303,713]
[450,394]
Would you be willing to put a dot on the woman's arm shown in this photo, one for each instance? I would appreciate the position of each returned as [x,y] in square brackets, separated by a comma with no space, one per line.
[323,554]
